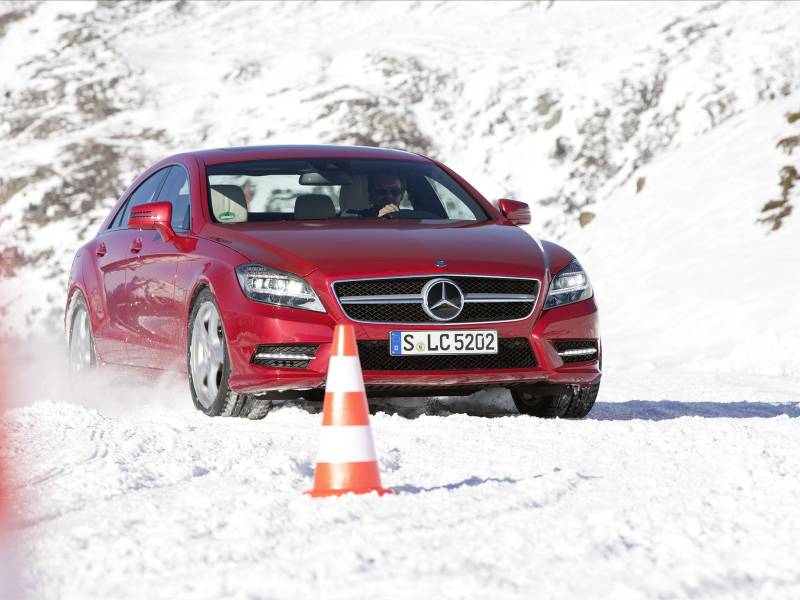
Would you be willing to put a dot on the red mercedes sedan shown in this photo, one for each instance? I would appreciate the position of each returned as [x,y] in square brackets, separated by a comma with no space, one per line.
[234,266]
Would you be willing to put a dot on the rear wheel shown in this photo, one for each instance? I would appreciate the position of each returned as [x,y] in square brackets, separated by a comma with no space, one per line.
[81,354]
[209,366]
[556,401]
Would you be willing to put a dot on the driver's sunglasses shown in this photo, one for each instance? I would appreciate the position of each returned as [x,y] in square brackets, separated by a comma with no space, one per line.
[389,192]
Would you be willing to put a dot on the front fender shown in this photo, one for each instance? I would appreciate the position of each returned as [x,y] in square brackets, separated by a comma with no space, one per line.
[83,277]
[557,257]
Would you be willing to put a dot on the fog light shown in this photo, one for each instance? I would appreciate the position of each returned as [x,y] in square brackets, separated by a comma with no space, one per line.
[578,352]
[573,351]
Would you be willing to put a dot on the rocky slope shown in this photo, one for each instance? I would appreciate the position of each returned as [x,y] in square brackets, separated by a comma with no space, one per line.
[561,105]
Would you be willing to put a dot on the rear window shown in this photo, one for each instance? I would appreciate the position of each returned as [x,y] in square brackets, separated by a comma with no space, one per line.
[307,190]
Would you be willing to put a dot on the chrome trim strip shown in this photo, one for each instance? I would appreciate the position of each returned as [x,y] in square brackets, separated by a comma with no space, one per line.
[279,356]
[511,298]
[395,299]
[499,298]
[578,352]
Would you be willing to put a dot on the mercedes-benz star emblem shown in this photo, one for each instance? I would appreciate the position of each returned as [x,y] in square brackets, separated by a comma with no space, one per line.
[442,300]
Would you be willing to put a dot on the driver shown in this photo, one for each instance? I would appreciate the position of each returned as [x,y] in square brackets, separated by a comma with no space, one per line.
[385,194]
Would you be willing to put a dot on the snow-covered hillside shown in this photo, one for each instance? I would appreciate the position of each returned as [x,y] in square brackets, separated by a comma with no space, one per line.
[658,141]
[559,104]
[684,275]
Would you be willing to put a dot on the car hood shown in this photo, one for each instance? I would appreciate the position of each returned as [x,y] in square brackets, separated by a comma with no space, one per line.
[344,248]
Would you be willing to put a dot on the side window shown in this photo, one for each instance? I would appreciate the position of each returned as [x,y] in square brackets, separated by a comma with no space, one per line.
[142,195]
[453,206]
[176,191]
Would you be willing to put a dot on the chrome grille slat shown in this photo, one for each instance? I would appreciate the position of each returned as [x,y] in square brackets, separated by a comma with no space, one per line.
[395,299]
[499,298]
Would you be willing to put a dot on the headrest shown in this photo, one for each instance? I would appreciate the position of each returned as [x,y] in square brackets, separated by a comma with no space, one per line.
[354,196]
[228,203]
[313,206]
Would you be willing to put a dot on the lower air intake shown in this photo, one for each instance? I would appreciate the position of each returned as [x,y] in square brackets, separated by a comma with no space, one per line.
[285,356]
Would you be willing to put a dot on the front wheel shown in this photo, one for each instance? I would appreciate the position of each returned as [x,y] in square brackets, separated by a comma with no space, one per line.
[209,366]
[556,401]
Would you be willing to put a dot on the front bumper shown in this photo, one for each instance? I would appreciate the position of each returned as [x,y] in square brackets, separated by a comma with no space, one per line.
[249,324]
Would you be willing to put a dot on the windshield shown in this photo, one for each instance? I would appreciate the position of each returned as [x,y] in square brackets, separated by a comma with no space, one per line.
[302,190]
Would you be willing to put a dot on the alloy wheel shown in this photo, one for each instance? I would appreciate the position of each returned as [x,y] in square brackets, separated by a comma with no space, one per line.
[80,342]
[207,354]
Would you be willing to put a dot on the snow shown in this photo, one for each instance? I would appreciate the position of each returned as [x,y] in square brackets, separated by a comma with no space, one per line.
[644,499]
[682,483]
[683,278]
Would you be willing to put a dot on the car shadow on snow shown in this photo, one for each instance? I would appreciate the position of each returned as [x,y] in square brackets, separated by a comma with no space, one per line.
[469,482]
[491,402]
[482,404]
[645,410]
[497,405]
[660,410]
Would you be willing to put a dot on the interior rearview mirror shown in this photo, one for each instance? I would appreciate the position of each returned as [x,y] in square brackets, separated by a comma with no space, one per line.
[326,178]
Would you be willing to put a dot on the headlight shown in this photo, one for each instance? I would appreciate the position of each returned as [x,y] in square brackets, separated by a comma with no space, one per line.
[571,284]
[270,286]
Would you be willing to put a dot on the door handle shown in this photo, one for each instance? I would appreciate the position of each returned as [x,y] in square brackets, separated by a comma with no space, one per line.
[101,249]
[136,246]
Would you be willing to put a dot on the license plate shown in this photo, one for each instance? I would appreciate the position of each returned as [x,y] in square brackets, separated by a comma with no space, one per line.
[406,343]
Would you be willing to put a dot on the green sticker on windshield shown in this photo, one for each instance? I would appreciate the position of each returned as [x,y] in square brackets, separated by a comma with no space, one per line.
[227,216]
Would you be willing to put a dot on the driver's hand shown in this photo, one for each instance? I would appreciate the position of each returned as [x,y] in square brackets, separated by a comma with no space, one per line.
[389,208]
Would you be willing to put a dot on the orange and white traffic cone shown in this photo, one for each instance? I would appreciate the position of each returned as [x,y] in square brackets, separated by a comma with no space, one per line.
[346,462]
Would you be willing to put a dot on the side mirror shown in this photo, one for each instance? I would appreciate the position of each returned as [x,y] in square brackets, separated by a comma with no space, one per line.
[156,215]
[516,212]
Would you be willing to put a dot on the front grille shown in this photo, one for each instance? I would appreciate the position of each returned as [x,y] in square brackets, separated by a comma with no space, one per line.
[286,356]
[478,312]
[513,353]
[564,346]
[355,299]
[413,285]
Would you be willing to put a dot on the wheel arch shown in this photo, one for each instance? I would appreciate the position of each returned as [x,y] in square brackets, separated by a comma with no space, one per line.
[84,277]
[557,256]
[219,278]
[201,285]
[75,290]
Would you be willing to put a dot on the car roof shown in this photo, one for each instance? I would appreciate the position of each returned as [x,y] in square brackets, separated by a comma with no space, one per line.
[242,153]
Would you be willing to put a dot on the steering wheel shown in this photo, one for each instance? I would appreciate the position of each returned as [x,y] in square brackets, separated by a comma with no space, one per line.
[411,213]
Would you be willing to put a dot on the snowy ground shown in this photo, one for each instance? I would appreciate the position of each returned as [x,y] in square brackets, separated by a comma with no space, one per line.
[687,491]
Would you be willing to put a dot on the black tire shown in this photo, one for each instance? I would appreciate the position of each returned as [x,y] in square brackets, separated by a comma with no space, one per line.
[583,402]
[556,402]
[227,402]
